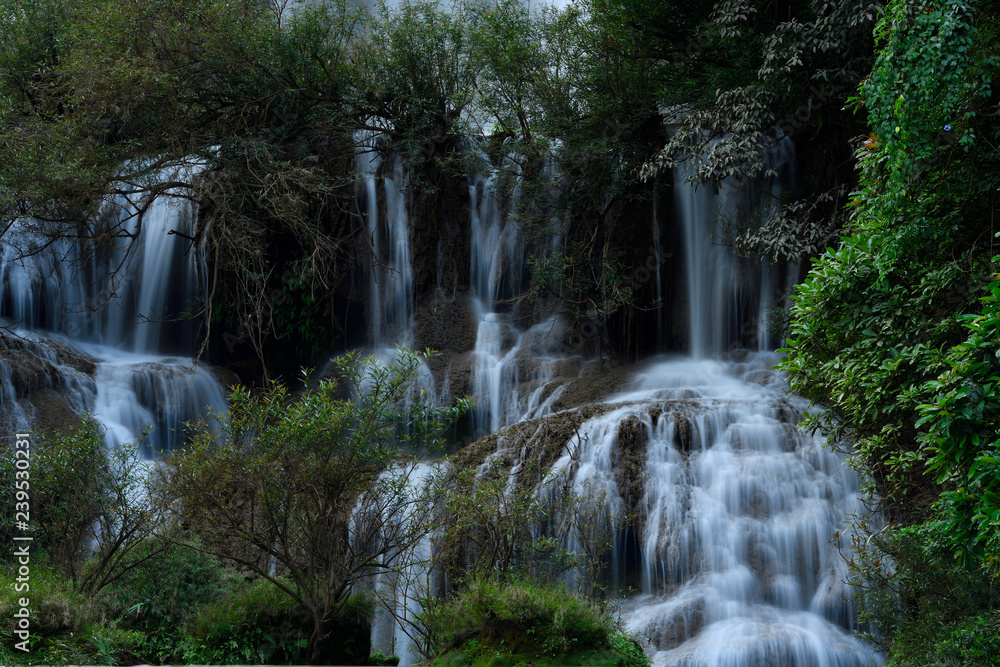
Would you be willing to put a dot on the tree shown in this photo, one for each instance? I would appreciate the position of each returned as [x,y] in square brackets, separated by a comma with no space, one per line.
[89,508]
[311,493]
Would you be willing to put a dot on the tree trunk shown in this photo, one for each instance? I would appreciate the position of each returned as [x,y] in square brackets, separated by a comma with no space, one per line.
[314,647]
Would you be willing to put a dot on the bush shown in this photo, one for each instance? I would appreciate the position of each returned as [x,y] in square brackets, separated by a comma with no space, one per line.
[927,608]
[164,585]
[253,625]
[261,624]
[89,506]
[490,623]
[67,627]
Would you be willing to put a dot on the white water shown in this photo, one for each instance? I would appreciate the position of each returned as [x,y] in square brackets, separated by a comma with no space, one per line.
[729,298]
[738,563]
[390,310]
[114,313]
[512,367]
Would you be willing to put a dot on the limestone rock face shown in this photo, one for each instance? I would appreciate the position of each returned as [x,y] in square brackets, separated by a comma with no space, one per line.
[446,322]
[42,382]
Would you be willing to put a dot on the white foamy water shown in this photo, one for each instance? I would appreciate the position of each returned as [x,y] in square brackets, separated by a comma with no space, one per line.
[738,561]
[116,313]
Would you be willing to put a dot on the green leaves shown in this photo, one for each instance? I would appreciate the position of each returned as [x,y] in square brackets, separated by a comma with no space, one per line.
[312,491]
[963,435]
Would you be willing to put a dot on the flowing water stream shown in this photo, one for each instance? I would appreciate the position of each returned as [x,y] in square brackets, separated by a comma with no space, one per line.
[730,546]
[104,332]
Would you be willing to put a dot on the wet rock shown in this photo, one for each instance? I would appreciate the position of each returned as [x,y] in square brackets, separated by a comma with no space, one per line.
[683,432]
[224,376]
[455,371]
[675,629]
[761,559]
[25,369]
[630,462]
[542,439]
[594,382]
[52,411]
[446,322]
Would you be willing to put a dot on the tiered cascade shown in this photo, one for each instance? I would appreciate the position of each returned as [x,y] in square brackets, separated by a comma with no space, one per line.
[731,513]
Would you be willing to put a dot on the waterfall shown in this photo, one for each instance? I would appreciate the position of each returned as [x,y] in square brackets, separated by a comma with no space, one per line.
[512,367]
[730,298]
[738,517]
[733,517]
[390,309]
[106,330]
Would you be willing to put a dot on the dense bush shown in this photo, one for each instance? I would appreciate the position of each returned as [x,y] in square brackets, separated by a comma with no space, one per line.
[168,584]
[895,332]
[66,626]
[504,623]
[251,625]
[923,607]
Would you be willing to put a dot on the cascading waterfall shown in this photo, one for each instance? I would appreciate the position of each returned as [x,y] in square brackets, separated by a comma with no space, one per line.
[390,319]
[735,518]
[738,518]
[98,326]
[734,511]
[495,259]
[732,542]
[729,298]
[390,312]
[512,367]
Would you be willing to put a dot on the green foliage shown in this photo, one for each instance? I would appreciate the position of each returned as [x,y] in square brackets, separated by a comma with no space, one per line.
[383,660]
[311,494]
[963,437]
[88,503]
[488,529]
[733,76]
[66,626]
[253,625]
[504,623]
[415,73]
[630,649]
[165,586]
[878,334]
[873,323]
[927,608]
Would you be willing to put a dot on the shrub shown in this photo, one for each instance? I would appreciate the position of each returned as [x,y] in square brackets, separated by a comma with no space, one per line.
[253,625]
[491,622]
[925,607]
[67,627]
